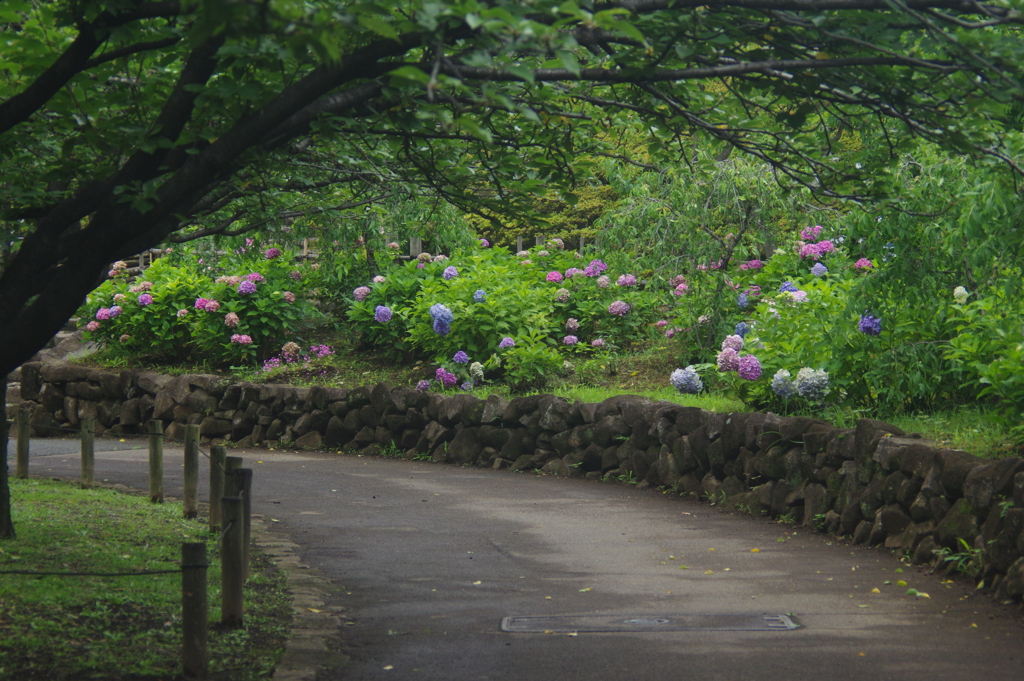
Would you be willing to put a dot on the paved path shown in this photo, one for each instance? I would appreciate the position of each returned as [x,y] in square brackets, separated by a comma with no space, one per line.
[428,559]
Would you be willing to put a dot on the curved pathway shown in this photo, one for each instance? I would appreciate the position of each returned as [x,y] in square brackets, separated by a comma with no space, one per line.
[423,562]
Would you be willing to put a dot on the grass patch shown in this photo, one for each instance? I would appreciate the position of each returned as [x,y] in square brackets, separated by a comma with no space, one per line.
[119,628]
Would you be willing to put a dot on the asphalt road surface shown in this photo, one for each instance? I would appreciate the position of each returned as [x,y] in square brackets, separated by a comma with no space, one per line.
[429,560]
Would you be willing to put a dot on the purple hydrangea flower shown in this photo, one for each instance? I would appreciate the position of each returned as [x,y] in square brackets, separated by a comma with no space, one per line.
[241,339]
[484,243]
[506,342]
[619,308]
[554,276]
[788,286]
[570,340]
[810,233]
[460,357]
[869,324]
[479,296]
[423,385]
[749,368]
[562,295]
[382,314]
[103,313]
[145,299]
[604,281]
[819,270]
[246,287]
[572,324]
[272,253]
[449,273]
[626,280]
[597,343]
[115,311]
[598,265]
[573,271]
[467,386]
[441,327]
[447,378]
[743,301]
[361,292]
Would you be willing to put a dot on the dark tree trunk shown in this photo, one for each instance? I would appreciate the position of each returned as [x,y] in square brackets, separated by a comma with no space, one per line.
[6,525]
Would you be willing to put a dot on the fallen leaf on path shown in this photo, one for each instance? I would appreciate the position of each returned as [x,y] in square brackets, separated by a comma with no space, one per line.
[585,590]
[755,550]
[876,590]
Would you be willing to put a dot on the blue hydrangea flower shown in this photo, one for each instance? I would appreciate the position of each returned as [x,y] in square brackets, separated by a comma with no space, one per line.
[686,380]
[870,325]
[743,301]
[819,270]
[479,296]
[449,273]
[440,313]
[742,329]
[782,385]
[460,357]
[466,386]
[382,314]
[506,342]
[441,327]
[788,286]
[812,384]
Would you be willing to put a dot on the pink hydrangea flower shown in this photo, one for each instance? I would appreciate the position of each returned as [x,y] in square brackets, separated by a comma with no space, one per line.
[810,251]
[92,326]
[120,297]
[255,277]
[361,292]
[289,296]
[811,233]
[231,319]
[825,246]
[145,285]
[103,313]
[201,303]
[573,271]
[378,279]
[212,306]
[393,245]
[661,324]
[728,360]
[681,289]
[677,280]
[752,265]
[555,277]
[626,280]
[604,281]
[241,339]
[272,253]
[572,324]
[182,313]
[124,338]
[863,264]
[597,343]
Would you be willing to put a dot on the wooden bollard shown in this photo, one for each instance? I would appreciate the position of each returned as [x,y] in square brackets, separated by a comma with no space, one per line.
[243,480]
[231,579]
[190,493]
[21,456]
[195,657]
[156,461]
[218,454]
[88,434]
[231,464]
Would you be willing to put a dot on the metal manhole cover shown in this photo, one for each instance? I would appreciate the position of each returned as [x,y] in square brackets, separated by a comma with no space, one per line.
[611,623]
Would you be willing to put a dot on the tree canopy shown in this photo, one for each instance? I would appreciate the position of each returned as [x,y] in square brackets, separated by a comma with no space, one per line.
[126,123]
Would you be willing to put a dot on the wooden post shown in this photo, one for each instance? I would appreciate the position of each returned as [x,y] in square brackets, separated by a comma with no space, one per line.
[231,606]
[194,655]
[305,248]
[243,480]
[583,245]
[21,457]
[415,246]
[190,494]
[539,239]
[218,453]
[156,461]
[88,434]
[519,243]
[231,464]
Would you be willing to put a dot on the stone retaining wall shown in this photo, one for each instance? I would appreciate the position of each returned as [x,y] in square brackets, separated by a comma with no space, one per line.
[872,482]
